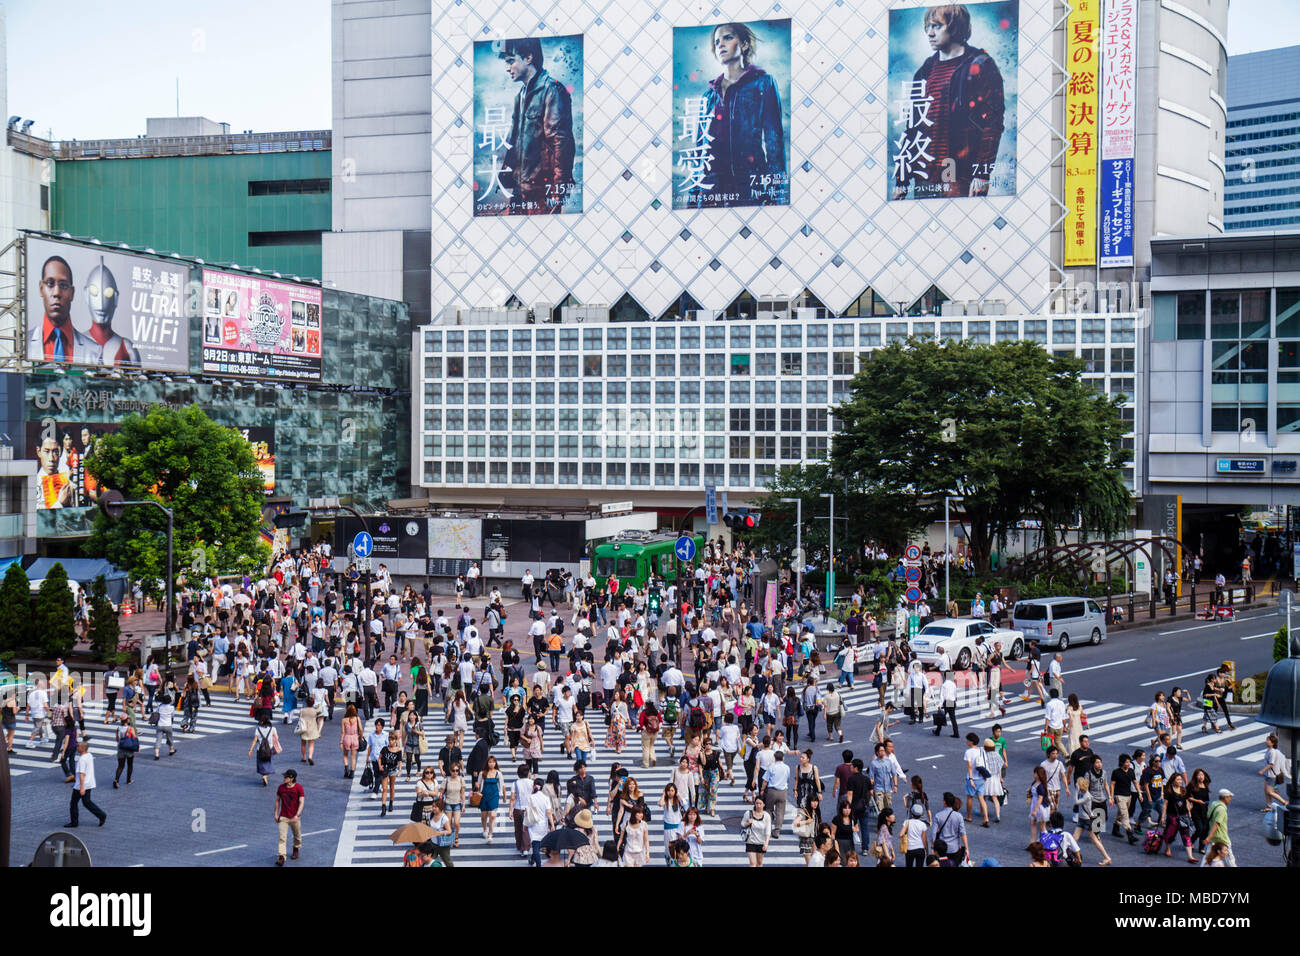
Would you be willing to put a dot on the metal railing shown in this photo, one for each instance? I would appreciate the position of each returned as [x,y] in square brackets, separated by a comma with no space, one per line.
[159,146]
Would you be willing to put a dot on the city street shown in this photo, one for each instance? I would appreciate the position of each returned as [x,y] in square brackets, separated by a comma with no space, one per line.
[205,806]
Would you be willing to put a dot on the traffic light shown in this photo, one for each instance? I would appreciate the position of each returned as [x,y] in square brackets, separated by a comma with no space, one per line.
[742,519]
[290,519]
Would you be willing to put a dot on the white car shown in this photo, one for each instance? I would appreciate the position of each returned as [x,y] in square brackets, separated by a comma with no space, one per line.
[957,635]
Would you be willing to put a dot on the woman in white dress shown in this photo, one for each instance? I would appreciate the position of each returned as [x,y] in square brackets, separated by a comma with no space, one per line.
[636,839]
[459,717]
[994,788]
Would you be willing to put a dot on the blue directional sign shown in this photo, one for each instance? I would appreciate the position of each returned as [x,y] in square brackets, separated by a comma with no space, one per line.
[362,545]
[711,504]
[685,548]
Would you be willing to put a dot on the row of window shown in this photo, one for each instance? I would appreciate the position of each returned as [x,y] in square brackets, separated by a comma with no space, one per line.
[1281,131]
[620,421]
[529,447]
[664,365]
[1257,120]
[617,393]
[1231,314]
[596,473]
[1265,223]
[668,337]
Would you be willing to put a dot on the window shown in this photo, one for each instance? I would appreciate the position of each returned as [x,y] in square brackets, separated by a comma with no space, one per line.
[616,474]
[1036,331]
[616,366]
[739,337]
[765,337]
[1064,331]
[568,366]
[791,448]
[665,364]
[433,341]
[568,393]
[521,420]
[591,473]
[433,418]
[568,473]
[817,448]
[792,419]
[639,473]
[476,472]
[455,470]
[1007,331]
[1121,386]
[664,392]
[1288,313]
[568,446]
[739,476]
[715,420]
[454,445]
[765,391]
[455,341]
[433,368]
[979,332]
[432,446]
[765,419]
[817,419]
[715,392]
[665,474]
[740,392]
[739,446]
[497,446]
[455,417]
[641,392]
[523,366]
[544,446]
[591,393]
[817,336]
[791,363]
[816,392]
[715,474]
[740,419]
[500,340]
[521,472]
[869,334]
[817,363]
[923,330]
[895,332]
[713,446]
[843,363]
[1094,330]
[522,340]
[545,418]
[500,393]
[715,364]
[641,365]
[715,337]
[764,447]
[740,363]
[665,338]
[568,340]
[641,339]
[764,475]
[615,339]
[544,392]
[689,474]
[690,366]
[1094,360]
[792,391]
[455,367]
[690,339]
[591,366]
[591,340]
[544,473]
[1121,360]
[456,394]
[522,393]
[689,393]
[765,363]
[546,366]
[840,391]
[568,419]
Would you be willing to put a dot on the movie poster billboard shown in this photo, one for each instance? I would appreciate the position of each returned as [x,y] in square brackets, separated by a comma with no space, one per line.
[528,121]
[88,305]
[1118,129]
[261,328]
[952,100]
[731,115]
[61,449]
[262,441]
[1082,147]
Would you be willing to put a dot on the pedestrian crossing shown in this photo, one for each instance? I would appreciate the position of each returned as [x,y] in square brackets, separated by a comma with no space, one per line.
[222,716]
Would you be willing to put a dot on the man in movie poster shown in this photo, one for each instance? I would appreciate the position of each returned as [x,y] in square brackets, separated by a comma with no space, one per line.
[732,130]
[526,153]
[946,137]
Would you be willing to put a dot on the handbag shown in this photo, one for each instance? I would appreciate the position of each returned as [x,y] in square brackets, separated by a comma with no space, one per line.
[368,776]
[129,743]
[153,719]
[417,812]
[803,824]
[475,799]
[115,682]
[424,743]
[1045,741]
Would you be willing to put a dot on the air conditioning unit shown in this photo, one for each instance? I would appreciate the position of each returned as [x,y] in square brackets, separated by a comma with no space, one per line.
[953,308]
[993,307]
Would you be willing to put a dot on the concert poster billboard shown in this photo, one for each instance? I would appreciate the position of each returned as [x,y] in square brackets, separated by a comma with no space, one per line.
[261,328]
[89,305]
[528,126]
[952,100]
[731,115]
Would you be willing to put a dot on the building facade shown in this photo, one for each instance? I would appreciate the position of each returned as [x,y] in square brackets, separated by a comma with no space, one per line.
[1263,157]
[253,199]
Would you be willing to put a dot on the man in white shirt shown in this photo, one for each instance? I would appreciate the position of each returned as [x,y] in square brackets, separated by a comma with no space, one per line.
[38,712]
[369,682]
[1055,679]
[564,705]
[537,631]
[471,579]
[777,780]
[520,791]
[1054,716]
[945,662]
[526,582]
[328,680]
[83,783]
[473,643]
[948,701]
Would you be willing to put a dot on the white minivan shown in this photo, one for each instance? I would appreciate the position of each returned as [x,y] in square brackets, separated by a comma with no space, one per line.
[1060,621]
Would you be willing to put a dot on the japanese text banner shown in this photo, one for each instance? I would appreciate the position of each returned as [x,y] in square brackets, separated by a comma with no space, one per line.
[1081,133]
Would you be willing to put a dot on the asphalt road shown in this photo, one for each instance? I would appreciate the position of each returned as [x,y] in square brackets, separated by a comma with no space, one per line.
[206,807]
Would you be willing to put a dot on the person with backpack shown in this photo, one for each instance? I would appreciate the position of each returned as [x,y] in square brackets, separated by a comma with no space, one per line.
[266,744]
[128,745]
[1059,847]
[650,724]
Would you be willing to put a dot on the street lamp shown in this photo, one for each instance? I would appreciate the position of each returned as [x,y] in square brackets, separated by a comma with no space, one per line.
[1280,707]
[830,567]
[947,558]
[114,504]
[798,546]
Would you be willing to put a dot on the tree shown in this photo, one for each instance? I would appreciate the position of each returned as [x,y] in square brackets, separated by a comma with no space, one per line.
[104,627]
[15,610]
[204,472]
[1012,429]
[54,617]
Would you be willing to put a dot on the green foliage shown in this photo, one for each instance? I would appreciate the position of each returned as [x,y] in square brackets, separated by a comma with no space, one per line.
[53,617]
[1011,428]
[204,472]
[15,610]
[104,627]
[1281,644]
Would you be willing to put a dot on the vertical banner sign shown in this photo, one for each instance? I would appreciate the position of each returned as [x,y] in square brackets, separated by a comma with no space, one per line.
[1118,102]
[769,603]
[1081,133]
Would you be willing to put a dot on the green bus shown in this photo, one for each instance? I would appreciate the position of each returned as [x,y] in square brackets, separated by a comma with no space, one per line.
[633,556]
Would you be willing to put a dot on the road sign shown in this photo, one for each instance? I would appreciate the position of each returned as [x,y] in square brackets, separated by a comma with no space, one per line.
[363,545]
[913,626]
[61,849]
[913,595]
[685,548]
[363,565]
[111,502]
[912,574]
[616,507]
[711,504]
[913,553]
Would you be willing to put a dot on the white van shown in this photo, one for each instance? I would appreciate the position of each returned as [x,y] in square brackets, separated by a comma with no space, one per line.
[1060,621]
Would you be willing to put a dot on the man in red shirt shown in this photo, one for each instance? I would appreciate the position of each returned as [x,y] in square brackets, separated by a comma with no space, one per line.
[289,801]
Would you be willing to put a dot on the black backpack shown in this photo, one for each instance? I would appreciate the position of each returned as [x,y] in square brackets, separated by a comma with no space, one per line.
[264,752]
[696,718]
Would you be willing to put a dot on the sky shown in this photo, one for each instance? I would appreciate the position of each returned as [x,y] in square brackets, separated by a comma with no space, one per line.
[95,69]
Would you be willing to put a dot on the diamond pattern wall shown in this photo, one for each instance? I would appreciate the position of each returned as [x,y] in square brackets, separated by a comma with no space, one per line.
[838,235]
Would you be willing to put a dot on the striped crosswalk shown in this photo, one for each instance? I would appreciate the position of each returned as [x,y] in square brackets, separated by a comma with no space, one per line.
[222,716]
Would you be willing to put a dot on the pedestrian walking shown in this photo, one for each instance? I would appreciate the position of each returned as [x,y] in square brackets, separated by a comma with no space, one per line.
[83,785]
[756,831]
[163,718]
[290,799]
[389,762]
[350,740]
[266,744]
[1220,851]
